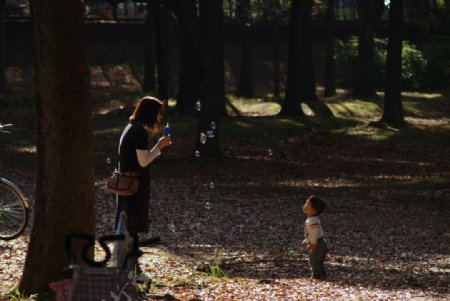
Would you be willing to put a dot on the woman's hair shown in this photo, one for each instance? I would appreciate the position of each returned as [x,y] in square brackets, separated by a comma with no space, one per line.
[317,203]
[147,110]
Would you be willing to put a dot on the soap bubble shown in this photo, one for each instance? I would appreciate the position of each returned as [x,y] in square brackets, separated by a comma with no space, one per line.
[197,153]
[270,152]
[108,160]
[210,134]
[198,106]
[213,125]
[202,138]
[211,185]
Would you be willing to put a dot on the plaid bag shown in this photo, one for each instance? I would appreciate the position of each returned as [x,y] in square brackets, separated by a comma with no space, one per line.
[98,284]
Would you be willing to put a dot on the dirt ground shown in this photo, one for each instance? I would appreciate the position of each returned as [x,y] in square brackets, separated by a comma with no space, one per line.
[386,221]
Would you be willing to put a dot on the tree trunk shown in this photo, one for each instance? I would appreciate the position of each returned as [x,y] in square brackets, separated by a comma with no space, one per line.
[149,83]
[189,78]
[245,86]
[393,111]
[243,10]
[212,92]
[65,177]
[114,4]
[276,60]
[364,75]
[329,83]
[301,82]
[164,52]
[292,101]
[2,47]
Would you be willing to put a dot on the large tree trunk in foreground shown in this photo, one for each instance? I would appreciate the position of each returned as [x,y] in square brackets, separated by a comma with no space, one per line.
[65,177]
[393,110]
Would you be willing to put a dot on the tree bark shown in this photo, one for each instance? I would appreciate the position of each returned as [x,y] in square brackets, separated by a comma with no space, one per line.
[329,83]
[2,47]
[164,52]
[301,82]
[212,92]
[364,74]
[393,110]
[149,82]
[276,60]
[65,176]
[189,78]
[114,4]
[245,85]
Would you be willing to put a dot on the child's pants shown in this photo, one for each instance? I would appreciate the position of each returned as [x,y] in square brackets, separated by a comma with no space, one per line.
[317,258]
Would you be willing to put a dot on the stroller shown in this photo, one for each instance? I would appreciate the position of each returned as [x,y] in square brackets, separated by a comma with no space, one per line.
[105,280]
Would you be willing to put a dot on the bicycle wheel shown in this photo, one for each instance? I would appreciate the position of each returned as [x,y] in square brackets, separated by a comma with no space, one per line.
[13,210]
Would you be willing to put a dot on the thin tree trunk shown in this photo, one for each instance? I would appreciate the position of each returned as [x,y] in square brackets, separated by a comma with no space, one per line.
[65,175]
[164,52]
[364,76]
[149,82]
[189,78]
[393,110]
[292,101]
[330,85]
[276,61]
[245,86]
[212,93]
[2,47]
[301,82]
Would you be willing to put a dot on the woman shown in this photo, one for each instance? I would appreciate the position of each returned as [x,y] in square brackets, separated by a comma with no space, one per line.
[135,156]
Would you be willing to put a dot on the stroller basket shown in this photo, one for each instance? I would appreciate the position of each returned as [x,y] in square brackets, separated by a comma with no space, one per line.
[96,284]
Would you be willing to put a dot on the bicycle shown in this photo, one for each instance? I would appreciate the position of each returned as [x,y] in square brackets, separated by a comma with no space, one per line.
[14,206]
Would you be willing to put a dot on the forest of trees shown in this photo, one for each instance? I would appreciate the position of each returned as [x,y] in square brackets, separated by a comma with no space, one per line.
[62,76]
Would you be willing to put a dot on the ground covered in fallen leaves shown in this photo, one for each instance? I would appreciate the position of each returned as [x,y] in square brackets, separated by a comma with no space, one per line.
[386,219]
[231,227]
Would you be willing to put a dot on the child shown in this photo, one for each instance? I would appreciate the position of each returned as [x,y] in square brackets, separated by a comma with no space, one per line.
[317,247]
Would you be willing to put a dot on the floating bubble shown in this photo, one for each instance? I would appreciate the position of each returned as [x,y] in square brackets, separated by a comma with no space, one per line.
[210,134]
[202,138]
[197,153]
[211,185]
[121,107]
[108,160]
[213,125]
[198,106]
[270,152]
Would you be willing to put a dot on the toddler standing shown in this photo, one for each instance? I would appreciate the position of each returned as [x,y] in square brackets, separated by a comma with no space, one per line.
[314,242]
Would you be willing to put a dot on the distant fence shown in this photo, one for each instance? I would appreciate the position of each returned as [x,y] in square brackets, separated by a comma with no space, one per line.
[21,29]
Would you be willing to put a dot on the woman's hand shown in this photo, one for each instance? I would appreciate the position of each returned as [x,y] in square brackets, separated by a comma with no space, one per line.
[163,142]
[305,243]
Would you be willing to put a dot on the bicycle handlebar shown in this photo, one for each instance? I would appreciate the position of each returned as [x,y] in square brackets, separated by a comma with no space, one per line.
[3,126]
